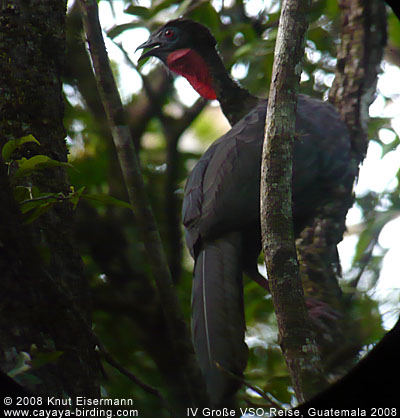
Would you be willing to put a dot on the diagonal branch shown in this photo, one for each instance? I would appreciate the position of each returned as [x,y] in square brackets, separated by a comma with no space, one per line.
[139,200]
[172,128]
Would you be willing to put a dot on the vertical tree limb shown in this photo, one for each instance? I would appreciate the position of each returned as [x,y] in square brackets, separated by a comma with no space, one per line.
[138,198]
[360,52]
[295,333]
[363,40]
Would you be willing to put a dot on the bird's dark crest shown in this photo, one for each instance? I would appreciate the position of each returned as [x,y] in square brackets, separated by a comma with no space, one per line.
[200,33]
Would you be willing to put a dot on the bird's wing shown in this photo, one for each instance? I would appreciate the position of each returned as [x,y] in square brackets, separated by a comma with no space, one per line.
[221,193]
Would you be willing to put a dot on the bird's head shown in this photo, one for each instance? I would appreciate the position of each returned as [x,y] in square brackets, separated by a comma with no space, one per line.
[182,45]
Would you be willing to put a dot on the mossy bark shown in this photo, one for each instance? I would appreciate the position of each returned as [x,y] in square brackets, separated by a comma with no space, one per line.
[296,336]
[44,291]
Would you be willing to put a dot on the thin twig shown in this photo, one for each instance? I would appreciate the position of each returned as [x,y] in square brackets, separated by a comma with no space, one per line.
[114,363]
[60,197]
[250,386]
[146,83]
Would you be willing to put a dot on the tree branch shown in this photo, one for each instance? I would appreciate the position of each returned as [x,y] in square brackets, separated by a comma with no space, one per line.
[363,40]
[139,200]
[172,129]
[295,332]
[133,378]
[359,56]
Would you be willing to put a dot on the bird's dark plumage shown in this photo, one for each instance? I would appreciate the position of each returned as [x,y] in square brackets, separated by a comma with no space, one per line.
[221,203]
[221,219]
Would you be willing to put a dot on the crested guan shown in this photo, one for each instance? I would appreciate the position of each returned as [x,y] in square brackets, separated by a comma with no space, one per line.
[221,200]
[188,48]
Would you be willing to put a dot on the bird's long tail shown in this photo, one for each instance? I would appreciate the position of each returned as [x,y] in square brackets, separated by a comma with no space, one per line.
[218,324]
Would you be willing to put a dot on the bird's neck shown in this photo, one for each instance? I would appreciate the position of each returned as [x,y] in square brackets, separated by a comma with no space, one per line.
[235,101]
[207,74]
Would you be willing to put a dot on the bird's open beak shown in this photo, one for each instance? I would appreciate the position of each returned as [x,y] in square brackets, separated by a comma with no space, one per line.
[150,43]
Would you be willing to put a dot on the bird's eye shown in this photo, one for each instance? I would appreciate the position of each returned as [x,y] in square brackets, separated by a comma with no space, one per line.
[168,33]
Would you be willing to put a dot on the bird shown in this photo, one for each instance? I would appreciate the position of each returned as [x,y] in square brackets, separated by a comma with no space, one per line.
[221,204]
[188,48]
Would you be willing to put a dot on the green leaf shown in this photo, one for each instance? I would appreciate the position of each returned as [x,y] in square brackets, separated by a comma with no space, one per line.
[322,40]
[243,51]
[42,202]
[40,210]
[391,146]
[40,359]
[118,29]
[203,12]
[33,204]
[76,196]
[22,365]
[160,5]
[394,30]
[371,233]
[148,13]
[141,11]
[106,199]
[375,125]
[22,193]
[38,162]
[13,144]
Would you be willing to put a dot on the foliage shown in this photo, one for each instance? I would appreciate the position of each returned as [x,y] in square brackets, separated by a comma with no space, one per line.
[108,238]
[34,203]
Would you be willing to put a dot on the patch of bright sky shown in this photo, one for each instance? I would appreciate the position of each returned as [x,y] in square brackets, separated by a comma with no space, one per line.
[379,175]
[376,174]
[240,70]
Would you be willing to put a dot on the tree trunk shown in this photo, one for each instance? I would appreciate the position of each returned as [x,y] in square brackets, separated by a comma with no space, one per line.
[363,41]
[45,307]
[363,37]
[296,336]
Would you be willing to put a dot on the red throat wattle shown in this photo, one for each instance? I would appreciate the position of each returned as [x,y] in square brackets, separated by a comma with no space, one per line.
[189,64]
